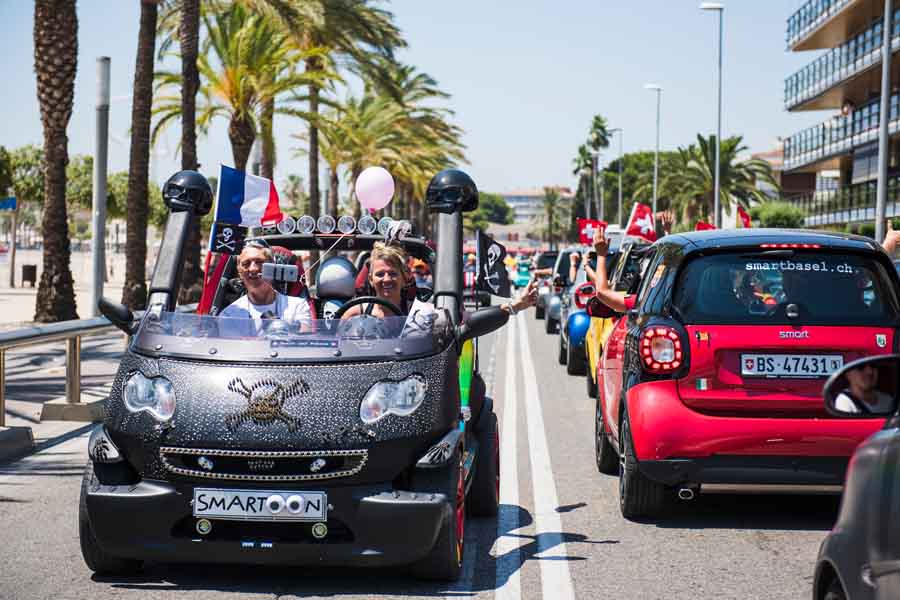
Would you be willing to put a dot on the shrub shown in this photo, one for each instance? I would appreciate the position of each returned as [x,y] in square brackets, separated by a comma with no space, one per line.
[777,214]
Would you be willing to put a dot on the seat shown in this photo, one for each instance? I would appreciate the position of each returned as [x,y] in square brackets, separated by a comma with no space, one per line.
[716,295]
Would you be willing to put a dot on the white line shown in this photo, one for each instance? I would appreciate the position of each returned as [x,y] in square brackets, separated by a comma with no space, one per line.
[556,580]
[507,548]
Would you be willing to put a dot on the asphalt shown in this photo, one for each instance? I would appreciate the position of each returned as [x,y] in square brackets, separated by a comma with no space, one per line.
[559,533]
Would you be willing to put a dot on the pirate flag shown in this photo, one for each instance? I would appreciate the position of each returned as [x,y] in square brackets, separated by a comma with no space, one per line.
[227,238]
[492,276]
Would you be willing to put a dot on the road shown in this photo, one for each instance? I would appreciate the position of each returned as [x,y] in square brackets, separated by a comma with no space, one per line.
[559,533]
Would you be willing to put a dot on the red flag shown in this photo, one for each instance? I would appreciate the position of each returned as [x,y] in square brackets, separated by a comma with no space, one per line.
[703,226]
[641,223]
[744,217]
[586,229]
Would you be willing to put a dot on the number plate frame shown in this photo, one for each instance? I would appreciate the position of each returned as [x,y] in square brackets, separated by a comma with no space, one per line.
[239,511]
[800,362]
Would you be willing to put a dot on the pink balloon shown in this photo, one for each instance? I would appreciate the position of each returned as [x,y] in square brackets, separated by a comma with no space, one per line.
[374,188]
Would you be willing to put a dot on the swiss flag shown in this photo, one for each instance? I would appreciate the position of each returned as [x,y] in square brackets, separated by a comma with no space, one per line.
[744,217]
[586,229]
[703,226]
[641,223]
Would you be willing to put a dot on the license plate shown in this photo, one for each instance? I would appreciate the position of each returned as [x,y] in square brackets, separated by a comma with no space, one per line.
[790,365]
[253,505]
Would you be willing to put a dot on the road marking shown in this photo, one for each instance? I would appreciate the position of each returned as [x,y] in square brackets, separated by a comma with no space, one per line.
[507,585]
[556,580]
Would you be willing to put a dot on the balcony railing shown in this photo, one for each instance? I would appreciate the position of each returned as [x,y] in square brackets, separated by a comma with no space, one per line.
[809,16]
[839,64]
[839,134]
[851,204]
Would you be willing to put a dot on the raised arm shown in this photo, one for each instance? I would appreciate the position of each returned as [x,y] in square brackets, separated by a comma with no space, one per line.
[606,295]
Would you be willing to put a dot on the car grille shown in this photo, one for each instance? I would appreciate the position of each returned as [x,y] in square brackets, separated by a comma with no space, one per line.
[263,465]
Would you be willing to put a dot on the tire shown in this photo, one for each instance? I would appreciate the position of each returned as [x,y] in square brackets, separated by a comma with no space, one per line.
[97,559]
[484,493]
[835,591]
[562,353]
[539,313]
[638,495]
[444,562]
[550,325]
[592,388]
[604,453]
[575,360]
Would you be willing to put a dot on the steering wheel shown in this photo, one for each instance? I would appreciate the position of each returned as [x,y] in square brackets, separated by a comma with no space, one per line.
[363,300]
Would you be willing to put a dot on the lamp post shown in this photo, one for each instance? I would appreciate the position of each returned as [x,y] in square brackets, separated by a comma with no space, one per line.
[621,133]
[884,148]
[720,8]
[658,89]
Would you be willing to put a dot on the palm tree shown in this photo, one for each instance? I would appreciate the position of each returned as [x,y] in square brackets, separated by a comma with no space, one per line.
[598,138]
[55,63]
[554,212]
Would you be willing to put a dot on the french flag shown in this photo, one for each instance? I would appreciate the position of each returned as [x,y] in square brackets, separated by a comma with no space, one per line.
[246,200]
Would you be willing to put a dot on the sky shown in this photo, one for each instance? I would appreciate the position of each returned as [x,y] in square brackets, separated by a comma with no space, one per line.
[525,76]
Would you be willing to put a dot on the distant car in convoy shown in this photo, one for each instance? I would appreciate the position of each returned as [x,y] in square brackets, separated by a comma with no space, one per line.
[574,322]
[859,558]
[704,385]
[559,285]
[522,275]
[545,260]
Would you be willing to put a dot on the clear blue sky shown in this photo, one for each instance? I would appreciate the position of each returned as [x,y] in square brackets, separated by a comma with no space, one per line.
[526,76]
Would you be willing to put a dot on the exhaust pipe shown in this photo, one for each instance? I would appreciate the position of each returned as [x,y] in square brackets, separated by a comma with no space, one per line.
[685,493]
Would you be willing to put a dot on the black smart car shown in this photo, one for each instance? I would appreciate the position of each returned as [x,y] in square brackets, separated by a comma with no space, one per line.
[362,442]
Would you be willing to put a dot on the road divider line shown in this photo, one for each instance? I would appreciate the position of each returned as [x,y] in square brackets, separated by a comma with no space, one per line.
[508,563]
[556,580]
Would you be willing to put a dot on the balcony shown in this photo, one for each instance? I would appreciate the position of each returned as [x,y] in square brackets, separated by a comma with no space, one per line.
[851,204]
[817,86]
[838,135]
[828,23]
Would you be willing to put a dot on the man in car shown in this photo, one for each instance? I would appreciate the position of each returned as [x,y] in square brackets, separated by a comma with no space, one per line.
[862,394]
[262,301]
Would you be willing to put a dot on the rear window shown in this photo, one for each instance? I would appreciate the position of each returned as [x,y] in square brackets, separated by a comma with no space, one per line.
[763,288]
[546,260]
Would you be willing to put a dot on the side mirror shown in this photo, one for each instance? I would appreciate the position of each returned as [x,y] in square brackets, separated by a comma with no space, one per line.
[597,309]
[118,314]
[583,294]
[482,322]
[865,388]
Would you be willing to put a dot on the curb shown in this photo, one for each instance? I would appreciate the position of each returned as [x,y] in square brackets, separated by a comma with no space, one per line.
[15,442]
[61,410]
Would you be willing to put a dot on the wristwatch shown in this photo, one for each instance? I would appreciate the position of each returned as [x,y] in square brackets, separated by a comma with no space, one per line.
[512,308]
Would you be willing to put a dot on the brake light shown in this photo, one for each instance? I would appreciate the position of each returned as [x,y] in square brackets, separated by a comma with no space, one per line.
[790,246]
[661,350]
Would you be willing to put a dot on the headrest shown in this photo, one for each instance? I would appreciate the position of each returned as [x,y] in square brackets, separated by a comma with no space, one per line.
[336,278]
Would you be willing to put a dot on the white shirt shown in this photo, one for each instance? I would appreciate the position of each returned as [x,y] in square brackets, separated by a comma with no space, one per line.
[288,308]
[884,403]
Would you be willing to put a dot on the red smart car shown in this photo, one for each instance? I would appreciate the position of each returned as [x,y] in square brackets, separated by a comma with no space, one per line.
[715,378]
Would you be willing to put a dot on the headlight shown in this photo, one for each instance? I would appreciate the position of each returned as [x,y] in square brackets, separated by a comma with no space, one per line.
[153,395]
[399,398]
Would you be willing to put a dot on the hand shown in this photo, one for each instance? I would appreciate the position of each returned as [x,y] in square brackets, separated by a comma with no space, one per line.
[891,239]
[601,244]
[528,298]
[574,257]
[666,220]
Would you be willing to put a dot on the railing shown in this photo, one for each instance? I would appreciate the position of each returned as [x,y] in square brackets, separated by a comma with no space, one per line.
[851,204]
[839,134]
[809,16]
[854,56]
[69,332]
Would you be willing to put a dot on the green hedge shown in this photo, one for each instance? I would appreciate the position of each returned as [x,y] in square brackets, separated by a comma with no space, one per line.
[777,214]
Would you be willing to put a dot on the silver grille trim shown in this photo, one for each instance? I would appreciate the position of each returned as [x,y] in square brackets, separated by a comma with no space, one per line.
[361,455]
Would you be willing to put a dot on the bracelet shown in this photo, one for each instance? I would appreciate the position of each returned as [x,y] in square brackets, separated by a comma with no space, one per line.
[512,309]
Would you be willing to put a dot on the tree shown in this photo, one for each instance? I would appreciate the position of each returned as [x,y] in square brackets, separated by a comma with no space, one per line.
[295,198]
[55,64]
[779,214]
[494,208]
[555,213]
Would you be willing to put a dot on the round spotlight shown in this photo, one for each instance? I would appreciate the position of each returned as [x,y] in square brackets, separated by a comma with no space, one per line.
[306,225]
[367,225]
[384,223]
[346,224]
[325,224]
[287,225]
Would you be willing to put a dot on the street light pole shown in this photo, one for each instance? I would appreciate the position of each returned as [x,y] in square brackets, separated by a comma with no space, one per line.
[717,6]
[621,133]
[658,89]
[884,148]
[98,200]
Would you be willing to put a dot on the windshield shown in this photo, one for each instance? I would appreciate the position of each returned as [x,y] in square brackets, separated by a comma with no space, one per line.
[809,288]
[546,260]
[243,339]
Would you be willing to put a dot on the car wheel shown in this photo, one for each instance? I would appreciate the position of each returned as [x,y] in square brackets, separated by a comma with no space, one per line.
[484,495]
[591,383]
[550,326]
[835,591]
[638,495]
[97,559]
[444,562]
[539,313]
[575,360]
[605,454]
[562,354]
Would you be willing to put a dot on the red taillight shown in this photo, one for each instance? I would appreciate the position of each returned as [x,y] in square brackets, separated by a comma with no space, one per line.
[661,350]
[790,246]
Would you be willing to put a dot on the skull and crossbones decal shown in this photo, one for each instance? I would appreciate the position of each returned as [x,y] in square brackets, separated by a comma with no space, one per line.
[265,402]
[491,277]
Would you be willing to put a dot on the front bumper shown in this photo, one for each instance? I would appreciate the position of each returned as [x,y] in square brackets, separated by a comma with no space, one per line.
[153,520]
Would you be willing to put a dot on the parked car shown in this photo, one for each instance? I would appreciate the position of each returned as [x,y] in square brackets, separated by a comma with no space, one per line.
[545,260]
[704,385]
[860,558]
[357,442]
[624,269]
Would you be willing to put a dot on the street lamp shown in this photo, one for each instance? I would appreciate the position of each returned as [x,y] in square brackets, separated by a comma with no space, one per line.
[717,6]
[658,89]
[594,160]
[621,133]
